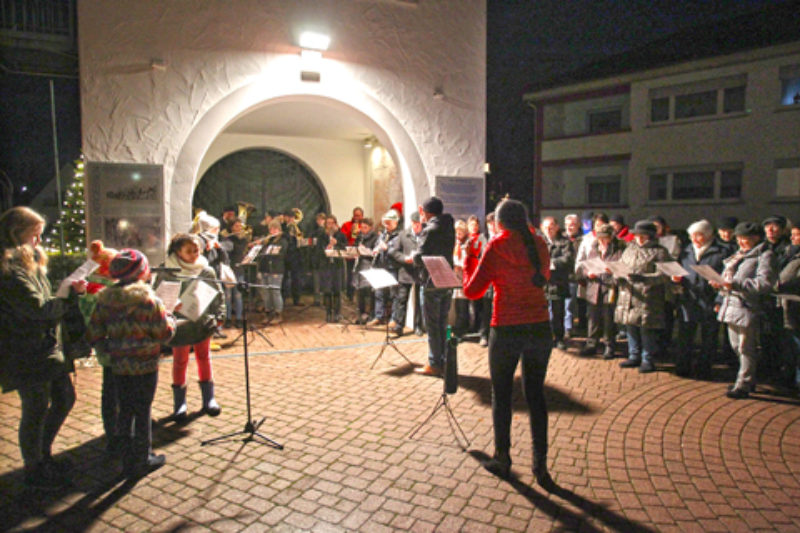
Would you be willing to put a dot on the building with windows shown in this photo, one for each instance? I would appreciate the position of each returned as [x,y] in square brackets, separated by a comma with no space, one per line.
[715,134]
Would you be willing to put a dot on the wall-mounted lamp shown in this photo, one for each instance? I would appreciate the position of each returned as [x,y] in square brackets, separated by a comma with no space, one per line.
[438,93]
[158,64]
[369,142]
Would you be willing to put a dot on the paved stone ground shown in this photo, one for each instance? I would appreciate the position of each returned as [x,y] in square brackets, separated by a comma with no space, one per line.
[629,452]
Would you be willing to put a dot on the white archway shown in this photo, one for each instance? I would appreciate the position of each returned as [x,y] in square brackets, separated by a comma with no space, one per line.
[349,99]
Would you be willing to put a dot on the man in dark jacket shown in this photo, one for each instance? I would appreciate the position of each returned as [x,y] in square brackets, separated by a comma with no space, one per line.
[562,264]
[401,252]
[437,239]
[777,241]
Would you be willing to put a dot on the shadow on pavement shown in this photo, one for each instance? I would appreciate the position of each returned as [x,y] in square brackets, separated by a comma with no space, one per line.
[556,399]
[97,485]
[569,520]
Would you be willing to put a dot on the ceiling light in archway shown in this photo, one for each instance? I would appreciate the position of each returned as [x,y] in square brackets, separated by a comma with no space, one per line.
[312,40]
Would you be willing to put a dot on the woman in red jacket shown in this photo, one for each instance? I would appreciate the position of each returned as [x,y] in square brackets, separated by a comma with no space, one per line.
[515,263]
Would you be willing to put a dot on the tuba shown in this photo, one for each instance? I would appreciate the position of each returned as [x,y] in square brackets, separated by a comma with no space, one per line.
[294,224]
[245,209]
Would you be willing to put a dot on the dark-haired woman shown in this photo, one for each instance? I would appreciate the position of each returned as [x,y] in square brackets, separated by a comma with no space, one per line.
[31,359]
[516,265]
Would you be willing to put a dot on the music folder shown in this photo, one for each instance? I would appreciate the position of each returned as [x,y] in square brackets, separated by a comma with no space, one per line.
[442,274]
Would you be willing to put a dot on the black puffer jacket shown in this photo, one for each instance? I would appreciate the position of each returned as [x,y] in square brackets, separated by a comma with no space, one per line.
[436,238]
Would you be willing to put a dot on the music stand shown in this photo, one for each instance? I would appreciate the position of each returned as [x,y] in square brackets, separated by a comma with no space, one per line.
[244,288]
[449,386]
[340,271]
[250,427]
[443,277]
[379,278]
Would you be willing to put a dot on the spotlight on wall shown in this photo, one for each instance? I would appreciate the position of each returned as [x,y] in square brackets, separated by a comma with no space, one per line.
[369,142]
[158,64]
[312,40]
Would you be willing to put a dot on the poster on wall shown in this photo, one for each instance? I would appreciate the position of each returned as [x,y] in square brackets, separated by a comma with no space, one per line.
[462,197]
[126,207]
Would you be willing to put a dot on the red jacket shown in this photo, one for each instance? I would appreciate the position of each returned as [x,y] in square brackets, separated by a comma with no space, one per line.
[505,266]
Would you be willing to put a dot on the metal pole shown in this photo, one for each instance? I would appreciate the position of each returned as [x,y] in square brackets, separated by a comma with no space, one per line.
[58,166]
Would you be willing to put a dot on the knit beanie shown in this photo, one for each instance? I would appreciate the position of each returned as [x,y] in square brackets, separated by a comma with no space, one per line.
[129,266]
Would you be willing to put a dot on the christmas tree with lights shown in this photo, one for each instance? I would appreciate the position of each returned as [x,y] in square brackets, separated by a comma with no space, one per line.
[72,217]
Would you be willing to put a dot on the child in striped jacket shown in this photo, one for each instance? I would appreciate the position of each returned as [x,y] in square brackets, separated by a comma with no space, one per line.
[130,323]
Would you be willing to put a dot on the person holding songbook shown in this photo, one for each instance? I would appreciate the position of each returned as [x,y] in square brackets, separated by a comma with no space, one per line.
[597,288]
[195,328]
[747,278]
[517,264]
[332,243]
[271,269]
[696,302]
[641,296]
[365,242]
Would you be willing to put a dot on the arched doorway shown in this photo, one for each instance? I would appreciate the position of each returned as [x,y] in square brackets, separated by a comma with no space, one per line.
[268,179]
[203,144]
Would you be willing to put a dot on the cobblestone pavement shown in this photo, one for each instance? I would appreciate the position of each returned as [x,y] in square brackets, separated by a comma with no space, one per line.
[629,451]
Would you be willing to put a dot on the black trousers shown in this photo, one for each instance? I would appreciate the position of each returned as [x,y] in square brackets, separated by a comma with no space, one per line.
[507,345]
[135,399]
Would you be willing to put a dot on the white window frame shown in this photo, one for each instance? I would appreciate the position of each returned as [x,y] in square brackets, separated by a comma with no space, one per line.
[672,92]
[717,169]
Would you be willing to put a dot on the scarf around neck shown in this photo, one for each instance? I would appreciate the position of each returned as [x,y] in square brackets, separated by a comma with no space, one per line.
[187,269]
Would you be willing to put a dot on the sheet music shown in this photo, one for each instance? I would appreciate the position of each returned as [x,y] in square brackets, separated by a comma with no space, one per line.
[251,254]
[593,265]
[441,273]
[196,299]
[708,273]
[363,250]
[671,269]
[618,269]
[272,249]
[379,278]
[169,292]
[80,273]
[350,252]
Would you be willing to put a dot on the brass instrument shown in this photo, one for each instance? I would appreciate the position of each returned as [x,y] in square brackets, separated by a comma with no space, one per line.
[245,209]
[294,228]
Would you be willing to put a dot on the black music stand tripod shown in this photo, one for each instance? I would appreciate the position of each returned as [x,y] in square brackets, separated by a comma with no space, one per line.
[380,278]
[443,277]
[449,386]
[244,288]
[250,427]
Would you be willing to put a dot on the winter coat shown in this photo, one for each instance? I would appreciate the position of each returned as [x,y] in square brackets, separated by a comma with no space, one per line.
[753,279]
[506,267]
[190,332]
[641,303]
[364,262]
[273,263]
[562,264]
[404,246]
[30,330]
[781,251]
[436,238]
[130,324]
[789,283]
[382,258]
[600,289]
[696,297]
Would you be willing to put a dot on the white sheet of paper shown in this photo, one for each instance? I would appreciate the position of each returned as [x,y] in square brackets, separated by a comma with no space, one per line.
[80,273]
[379,278]
[669,242]
[442,275]
[618,269]
[363,250]
[350,252]
[593,265]
[708,273]
[272,249]
[251,254]
[332,252]
[226,273]
[169,292]
[196,299]
[671,268]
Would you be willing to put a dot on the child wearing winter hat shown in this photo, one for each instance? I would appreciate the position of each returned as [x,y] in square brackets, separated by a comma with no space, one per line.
[130,323]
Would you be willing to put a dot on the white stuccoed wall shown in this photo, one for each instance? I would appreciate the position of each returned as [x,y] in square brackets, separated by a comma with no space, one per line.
[226,57]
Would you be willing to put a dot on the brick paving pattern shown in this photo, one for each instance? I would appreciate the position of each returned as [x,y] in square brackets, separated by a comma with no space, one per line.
[630,452]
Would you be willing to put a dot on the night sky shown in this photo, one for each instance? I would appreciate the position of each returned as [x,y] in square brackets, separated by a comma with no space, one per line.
[530,42]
